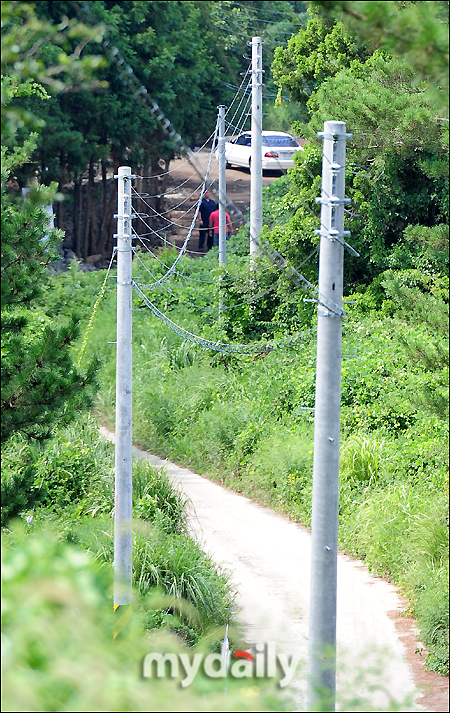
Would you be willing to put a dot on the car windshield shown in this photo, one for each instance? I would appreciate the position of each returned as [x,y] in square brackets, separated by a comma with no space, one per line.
[286,141]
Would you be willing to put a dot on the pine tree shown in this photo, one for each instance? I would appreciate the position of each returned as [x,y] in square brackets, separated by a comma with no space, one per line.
[41,387]
[40,384]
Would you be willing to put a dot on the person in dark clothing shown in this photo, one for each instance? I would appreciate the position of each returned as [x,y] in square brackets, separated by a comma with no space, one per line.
[206,208]
[214,222]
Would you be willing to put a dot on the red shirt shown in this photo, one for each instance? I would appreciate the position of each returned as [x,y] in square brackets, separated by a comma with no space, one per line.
[214,220]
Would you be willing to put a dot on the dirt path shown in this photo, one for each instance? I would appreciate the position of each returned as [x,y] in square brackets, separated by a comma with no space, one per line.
[269,559]
[183,181]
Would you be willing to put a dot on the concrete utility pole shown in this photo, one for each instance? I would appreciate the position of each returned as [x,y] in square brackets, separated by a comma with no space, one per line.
[222,188]
[256,153]
[123,463]
[325,497]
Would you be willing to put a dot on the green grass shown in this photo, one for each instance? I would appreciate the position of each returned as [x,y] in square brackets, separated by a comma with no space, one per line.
[57,648]
[74,475]
[244,421]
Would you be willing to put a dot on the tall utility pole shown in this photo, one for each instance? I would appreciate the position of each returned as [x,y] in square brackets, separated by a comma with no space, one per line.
[222,188]
[123,463]
[256,152]
[325,497]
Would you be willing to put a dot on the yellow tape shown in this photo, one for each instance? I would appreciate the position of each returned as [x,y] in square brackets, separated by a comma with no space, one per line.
[122,619]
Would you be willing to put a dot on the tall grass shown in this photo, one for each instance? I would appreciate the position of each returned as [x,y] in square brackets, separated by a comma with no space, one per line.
[244,420]
[58,653]
[76,475]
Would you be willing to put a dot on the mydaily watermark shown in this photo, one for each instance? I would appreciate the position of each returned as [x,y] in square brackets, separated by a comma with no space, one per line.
[261,661]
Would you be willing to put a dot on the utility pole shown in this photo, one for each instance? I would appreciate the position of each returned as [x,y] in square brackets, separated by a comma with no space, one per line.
[256,152]
[123,461]
[222,188]
[325,497]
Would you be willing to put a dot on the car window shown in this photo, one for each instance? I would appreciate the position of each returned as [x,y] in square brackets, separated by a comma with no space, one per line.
[274,140]
[244,140]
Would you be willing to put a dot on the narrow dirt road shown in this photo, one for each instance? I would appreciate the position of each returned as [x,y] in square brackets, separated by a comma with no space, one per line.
[269,560]
[181,191]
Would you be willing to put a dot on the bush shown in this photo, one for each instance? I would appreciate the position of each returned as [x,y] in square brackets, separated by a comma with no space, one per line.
[58,652]
[18,478]
[363,460]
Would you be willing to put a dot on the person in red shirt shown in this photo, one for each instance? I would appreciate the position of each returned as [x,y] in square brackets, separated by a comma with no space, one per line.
[214,224]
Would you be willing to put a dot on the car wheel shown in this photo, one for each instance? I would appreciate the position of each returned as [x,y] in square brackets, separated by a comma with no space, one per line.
[250,165]
[228,164]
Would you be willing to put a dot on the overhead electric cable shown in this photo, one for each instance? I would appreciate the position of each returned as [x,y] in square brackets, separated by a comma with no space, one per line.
[141,94]
[184,246]
[180,274]
[161,215]
[164,240]
[226,348]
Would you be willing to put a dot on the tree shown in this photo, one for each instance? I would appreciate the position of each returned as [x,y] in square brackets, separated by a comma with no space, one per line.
[313,55]
[397,158]
[397,172]
[189,57]
[40,385]
[416,32]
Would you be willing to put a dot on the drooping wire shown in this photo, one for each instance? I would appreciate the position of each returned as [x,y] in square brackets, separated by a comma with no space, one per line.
[141,94]
[164,239]
[194,218]
[161,215]
[157,283]
[94,311]
[226,348]
[245,93]
[251,300]
[239,89]
[166,173]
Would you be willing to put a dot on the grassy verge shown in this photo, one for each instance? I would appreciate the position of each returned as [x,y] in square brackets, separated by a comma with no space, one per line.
[245,422]
[58,652]
[74,484]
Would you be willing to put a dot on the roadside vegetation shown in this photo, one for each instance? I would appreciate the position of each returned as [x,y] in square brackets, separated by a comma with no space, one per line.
[245,421]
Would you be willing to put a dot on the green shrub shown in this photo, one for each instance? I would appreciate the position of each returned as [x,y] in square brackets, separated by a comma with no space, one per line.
[18,478]
[71,463]
[58,649]
[363,460]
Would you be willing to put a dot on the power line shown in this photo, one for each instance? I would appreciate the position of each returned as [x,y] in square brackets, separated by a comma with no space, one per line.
[166,173]
[164,240]
[226,348]
[141,95]
[184,246]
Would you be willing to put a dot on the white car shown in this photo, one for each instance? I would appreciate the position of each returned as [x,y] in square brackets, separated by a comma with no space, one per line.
[278,150]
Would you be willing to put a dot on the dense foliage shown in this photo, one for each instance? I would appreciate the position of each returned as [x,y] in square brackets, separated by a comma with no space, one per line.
[57,648]
[246,421]
[187,55]
[41,386]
